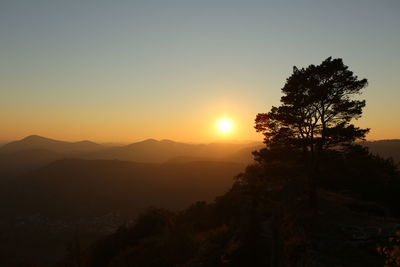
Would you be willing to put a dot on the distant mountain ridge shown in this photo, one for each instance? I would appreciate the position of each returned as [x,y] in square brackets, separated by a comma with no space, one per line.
[44,143]
[35,151]
[385,148]
[151,150]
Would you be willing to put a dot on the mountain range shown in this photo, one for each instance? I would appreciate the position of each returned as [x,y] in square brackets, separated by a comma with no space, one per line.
[35,151]
[89,178]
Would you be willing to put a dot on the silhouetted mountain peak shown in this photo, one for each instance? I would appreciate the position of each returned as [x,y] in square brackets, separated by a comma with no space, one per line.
[35,137]
[168,141]
[150,140]
[155,141]
[39,142]
[86,142]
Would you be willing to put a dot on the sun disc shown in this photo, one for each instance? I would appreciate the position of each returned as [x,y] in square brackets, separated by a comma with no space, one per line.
[225,125]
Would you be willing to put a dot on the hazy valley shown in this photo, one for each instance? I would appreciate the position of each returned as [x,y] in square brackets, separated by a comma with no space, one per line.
[52,190]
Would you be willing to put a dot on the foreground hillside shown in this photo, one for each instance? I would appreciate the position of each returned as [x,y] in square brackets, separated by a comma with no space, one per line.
[44,209]
[74,187]
[234,231]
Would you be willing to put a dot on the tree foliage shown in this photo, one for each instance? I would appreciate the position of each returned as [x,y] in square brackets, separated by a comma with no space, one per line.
[317,108]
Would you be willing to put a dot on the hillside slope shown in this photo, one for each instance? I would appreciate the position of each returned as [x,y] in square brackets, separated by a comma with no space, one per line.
[91,187]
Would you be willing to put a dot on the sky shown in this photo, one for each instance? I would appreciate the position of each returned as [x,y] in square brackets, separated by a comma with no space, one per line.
[125,71]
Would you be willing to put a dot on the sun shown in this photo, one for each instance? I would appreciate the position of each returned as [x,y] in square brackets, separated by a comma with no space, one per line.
[224,125]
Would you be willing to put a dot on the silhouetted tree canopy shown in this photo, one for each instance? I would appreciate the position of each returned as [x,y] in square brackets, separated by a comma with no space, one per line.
[317,108]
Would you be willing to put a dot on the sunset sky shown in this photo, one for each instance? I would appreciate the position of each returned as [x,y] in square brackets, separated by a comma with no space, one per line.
[130,70]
